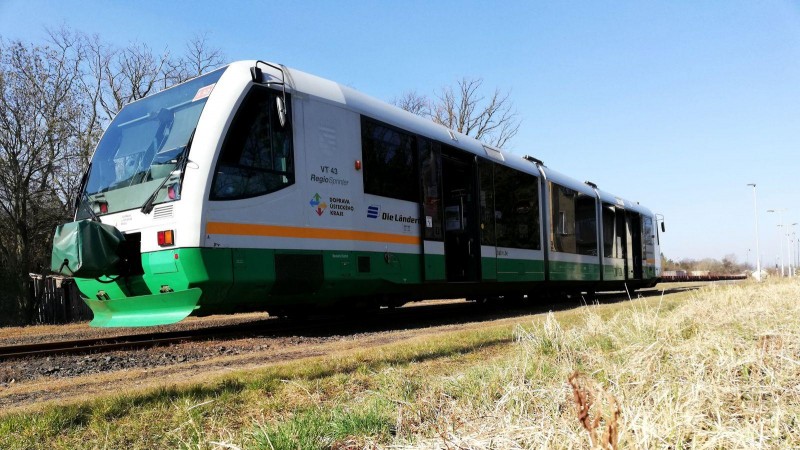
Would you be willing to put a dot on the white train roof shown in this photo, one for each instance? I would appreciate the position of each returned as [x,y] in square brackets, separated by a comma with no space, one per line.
[327,90]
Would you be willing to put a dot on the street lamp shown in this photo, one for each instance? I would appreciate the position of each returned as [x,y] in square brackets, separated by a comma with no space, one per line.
[788,259]
[780,238]
[789,242]
[758,253]
[797,250]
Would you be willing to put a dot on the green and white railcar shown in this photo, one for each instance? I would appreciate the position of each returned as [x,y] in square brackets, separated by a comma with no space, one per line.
[260,187]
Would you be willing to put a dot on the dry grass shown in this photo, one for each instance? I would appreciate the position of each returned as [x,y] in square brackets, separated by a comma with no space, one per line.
[714,368]
[721,370]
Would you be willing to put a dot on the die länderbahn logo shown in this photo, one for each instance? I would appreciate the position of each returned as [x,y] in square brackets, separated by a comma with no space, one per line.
[373,211]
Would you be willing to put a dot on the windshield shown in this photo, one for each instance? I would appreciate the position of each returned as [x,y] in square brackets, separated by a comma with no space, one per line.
[141,148]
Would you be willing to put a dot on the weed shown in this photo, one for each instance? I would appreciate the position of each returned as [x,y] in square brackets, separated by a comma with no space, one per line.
[319,428]
[597,411]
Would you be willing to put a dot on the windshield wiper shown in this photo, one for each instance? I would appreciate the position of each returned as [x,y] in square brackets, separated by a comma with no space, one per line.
[180,163]
[87,205]
[83,197]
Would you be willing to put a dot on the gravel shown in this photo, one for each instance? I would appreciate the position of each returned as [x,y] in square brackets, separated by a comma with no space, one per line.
[65,366]
[29,382]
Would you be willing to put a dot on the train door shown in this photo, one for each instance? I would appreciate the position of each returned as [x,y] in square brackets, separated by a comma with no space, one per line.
[634,233]
[432,211]
[648,248]
[623,238]
[461,234]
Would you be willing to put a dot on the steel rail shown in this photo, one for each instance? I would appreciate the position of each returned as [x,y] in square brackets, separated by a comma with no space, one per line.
[317,325]
[123,342]
[384,319]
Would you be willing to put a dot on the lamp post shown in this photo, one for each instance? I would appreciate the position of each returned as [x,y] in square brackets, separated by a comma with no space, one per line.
[780,238]
[797,249]
[758,253]
[788,252]
[789,244]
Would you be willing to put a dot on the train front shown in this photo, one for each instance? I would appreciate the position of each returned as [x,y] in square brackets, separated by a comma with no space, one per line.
[133,247]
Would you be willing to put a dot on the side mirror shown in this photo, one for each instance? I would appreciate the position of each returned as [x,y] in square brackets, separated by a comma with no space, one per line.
[663,228]
[281,111]
[255,74]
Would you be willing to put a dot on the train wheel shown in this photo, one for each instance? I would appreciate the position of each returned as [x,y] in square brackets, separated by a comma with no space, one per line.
[514,301]
[294,314]
[482,302]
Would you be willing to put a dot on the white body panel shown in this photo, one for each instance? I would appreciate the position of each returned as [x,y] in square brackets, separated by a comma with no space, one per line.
[326,124]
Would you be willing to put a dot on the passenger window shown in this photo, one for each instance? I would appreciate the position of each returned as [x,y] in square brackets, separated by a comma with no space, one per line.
[586,225]
[431,175]
[486,170]
[610,247]
[574,227]
[256,157]
[389,162]
[516,209]
[647,237]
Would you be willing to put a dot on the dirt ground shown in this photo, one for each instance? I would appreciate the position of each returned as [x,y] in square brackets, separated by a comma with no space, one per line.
[82,330]
[30,382]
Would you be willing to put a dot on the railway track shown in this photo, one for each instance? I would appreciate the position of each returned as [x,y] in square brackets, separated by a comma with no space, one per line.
[125,342]
[314,326]
[387,319]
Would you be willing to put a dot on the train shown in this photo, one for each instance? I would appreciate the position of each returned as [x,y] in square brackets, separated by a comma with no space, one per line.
[258,187]
[699,275]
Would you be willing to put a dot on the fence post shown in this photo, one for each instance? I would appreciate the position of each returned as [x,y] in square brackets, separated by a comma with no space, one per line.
[58,299]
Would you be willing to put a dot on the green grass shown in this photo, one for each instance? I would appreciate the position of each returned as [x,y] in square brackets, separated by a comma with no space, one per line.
[716,368]
[309,395]
[324,428]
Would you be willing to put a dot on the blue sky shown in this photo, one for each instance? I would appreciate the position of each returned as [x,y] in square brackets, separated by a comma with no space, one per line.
[676,104]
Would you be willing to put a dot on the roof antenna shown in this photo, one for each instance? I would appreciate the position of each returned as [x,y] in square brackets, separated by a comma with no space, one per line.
[530,158]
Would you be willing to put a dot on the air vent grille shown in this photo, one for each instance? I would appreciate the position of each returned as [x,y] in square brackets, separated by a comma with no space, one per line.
[162,212]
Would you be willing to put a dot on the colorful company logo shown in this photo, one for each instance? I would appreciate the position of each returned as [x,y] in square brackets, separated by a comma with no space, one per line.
[319,207]
[373,211]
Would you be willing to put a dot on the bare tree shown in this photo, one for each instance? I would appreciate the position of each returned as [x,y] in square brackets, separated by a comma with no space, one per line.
[120,76]
[37,102]
[414,102]
[464,108]
[97,63]
[130,74]
[728,264]
[86,121]
[198,59]
[55,100]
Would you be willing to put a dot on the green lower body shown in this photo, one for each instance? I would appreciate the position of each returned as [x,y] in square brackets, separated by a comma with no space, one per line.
[177,283]
[203,281]
[568,271]
[145,310]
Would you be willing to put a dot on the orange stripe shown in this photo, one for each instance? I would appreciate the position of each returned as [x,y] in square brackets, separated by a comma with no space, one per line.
[247,229]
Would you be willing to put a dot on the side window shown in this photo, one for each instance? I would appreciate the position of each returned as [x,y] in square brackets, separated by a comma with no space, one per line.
[256,156]
[610,246]
[516,209]
[486,170]
[586,225]
[574,228]
[389,162]
[431,176]
[648,236]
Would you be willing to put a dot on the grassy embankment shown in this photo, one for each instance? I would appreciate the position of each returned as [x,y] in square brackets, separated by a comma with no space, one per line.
[715,368]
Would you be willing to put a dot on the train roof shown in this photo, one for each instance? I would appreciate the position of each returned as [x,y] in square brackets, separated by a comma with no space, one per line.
[330,91]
